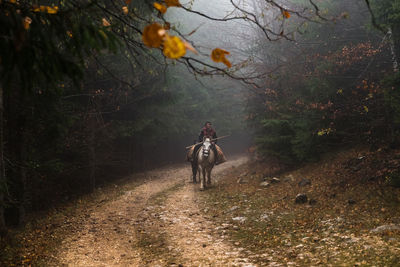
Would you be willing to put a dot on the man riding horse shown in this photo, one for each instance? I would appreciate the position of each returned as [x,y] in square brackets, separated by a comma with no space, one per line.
[207,132]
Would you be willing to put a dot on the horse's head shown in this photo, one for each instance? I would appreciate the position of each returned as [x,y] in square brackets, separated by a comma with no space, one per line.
[206,147]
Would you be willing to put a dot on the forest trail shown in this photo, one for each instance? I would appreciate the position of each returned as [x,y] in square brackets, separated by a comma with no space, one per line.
[157,223]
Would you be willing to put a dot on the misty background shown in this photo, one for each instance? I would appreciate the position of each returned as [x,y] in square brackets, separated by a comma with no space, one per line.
[307,78]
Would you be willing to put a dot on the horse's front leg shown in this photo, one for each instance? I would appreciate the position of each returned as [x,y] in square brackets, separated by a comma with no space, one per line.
[202,179]
[209,176]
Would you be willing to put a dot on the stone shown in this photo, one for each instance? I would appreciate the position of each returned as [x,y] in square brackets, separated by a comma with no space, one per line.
[242,180]
[265,184]
[275,180]
[386,228]
[304,182]
[239,219]
[233,208]
[301,199]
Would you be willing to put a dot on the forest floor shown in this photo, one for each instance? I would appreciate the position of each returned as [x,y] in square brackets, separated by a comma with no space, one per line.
[247,218]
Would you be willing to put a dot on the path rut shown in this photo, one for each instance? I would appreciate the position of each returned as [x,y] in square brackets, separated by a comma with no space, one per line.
[158,223]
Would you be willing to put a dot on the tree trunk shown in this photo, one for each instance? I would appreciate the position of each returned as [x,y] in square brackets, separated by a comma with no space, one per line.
[3,182]
[92,153]
[23,178]
[392,43]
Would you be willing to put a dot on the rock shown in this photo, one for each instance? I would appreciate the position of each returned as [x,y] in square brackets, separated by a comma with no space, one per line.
[304,182]
[275,180]
[301,199]
[239,219]
[312,202]
[288,178]
[242,180]
[265,184]
[351,201]
[387,227]
[233,208]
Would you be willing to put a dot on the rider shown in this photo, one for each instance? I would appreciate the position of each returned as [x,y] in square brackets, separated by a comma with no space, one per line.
[208,132]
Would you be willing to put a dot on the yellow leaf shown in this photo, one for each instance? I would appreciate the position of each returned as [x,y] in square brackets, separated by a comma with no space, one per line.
[172,3]
[340,91]
[27,22]
[160,7]
[152,35]
[218,55]
[52,10]
[174,47]
[48,9]
[366,109]
[125,10]
[106,23]
[69,33]
[286,14]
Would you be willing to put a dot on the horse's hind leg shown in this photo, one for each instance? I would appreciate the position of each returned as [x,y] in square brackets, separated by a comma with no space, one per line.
[194,171]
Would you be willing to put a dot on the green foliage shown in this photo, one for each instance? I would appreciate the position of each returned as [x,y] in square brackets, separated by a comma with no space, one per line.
[329,95]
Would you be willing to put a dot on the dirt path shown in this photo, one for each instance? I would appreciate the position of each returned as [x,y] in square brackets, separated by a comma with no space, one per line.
[156,224]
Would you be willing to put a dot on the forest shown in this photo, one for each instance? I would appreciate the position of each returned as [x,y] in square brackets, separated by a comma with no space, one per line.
[99,97]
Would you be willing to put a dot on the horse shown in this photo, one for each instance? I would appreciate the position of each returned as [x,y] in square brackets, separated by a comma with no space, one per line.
[205,163]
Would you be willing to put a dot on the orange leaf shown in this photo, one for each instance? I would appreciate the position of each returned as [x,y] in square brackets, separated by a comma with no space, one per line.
[105,22]
[190,47]
[152,35]
[286,14]
[160,7]
[27,22]
[218,55]
[172,3]
[128,2]
[125,10]
[174,47]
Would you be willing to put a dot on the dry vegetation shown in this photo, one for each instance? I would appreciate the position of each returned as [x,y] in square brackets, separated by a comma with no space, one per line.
[347,198]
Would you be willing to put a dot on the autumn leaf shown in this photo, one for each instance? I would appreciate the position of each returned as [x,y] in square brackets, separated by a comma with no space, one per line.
[125,10]
[27,22]
[48,9]
[152,35]
[128,2]
[106,23]
[160,7]
[174,47]
[172,3]
[286,14]
[190,47]
[52,10]
[218,55]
